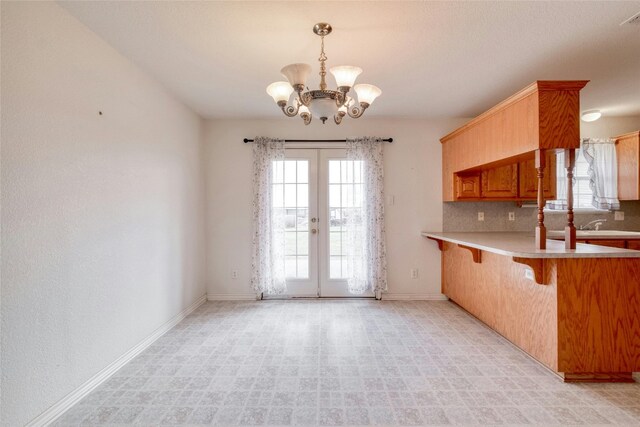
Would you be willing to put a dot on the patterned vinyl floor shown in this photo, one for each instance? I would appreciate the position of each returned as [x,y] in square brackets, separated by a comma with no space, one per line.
[343,362]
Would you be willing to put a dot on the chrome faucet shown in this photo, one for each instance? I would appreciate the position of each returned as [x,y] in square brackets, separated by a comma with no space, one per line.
[597,223]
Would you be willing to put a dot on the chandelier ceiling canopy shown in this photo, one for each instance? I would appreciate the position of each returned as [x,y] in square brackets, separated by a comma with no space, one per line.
[322,103]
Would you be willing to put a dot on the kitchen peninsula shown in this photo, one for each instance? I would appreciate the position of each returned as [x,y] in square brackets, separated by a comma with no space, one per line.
[577,311]
[573,307]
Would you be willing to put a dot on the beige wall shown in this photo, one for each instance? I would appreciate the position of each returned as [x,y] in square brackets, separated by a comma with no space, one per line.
[101,214]
[607,127]
[412,176]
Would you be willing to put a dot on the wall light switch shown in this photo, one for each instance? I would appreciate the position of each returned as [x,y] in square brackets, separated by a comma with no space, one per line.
[512,216]
[414,273]
[480,216]
[391,200]
[618,216]
[234,274]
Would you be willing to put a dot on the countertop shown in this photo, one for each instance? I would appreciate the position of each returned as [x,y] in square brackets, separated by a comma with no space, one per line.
[597,235]
[522,245]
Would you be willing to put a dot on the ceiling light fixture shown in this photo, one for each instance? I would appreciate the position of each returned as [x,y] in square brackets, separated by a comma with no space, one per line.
[591,115]
[322,103]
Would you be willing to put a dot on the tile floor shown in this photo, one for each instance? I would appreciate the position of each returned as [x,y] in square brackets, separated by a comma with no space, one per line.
[343,362]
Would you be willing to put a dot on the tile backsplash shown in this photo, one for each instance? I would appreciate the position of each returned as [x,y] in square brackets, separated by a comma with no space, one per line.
[463,216]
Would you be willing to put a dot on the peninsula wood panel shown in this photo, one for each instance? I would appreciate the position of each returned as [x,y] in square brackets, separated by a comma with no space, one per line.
[497,292]
[628,154]
[583,321]
[542,115]
[599,315]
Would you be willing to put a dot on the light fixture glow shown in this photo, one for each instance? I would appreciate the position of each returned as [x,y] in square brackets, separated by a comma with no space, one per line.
[297,74]
[367,93]
[280,91]
[322,103]
[591,115]
[345,75]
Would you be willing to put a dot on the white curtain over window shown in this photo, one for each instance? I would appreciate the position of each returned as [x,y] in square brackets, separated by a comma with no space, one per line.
[603,172]
[267,269]
[366,249]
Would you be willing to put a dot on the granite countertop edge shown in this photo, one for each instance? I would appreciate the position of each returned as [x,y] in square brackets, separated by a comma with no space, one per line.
[522,245]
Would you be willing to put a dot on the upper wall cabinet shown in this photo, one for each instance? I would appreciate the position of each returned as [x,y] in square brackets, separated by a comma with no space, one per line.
[528,178]
[512,182]
[628,153]
[544,115]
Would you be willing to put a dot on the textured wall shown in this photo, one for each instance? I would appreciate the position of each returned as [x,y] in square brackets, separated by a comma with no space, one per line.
[413,176]
[101,214]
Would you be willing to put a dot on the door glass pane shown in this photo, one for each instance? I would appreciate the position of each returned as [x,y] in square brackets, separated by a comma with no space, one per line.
[291,192]
[303,171]
[345,206]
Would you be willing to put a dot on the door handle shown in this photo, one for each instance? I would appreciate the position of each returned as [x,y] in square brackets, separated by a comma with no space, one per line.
[314,231]
[313,220]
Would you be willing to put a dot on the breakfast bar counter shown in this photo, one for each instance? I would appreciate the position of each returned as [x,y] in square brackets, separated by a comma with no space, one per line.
[577,311]
[520,244]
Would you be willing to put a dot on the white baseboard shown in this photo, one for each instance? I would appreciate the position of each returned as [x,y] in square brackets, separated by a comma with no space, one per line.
[413,297]
[60,407]
[232,297]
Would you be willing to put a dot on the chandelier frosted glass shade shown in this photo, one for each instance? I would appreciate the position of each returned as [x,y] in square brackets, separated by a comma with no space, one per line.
[280,91]
[367,93]
[345,75]
[297,74]
[322,103]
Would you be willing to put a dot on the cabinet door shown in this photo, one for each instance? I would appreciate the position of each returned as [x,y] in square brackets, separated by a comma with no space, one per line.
[628,155]
[500,182]
[633,244]
[609,243]
[467,186]
[529,178]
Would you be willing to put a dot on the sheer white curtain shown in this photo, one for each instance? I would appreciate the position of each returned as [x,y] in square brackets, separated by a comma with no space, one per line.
[603,172]
[267,269]
[365,231]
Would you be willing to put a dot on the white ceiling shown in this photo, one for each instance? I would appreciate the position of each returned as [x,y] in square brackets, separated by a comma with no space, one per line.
[431,59]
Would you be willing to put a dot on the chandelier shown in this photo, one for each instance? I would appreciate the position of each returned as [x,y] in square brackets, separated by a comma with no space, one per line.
[322,103]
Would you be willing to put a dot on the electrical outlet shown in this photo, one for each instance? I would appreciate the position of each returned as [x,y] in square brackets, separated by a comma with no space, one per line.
[512,216]
[414,273]
[528,274]
[618,216]
[480,216]
[234,274]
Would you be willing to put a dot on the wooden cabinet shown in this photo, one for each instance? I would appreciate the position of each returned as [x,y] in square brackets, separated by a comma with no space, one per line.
[516,181]
[528,178]
[628,154]
[633,244]
[543,116]
[609,243]
[467,186]
[500,182]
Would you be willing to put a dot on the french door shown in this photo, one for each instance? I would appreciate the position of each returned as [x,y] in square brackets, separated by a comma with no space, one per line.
[319,189]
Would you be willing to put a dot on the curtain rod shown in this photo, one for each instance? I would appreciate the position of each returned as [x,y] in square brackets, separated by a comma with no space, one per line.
[317,140]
